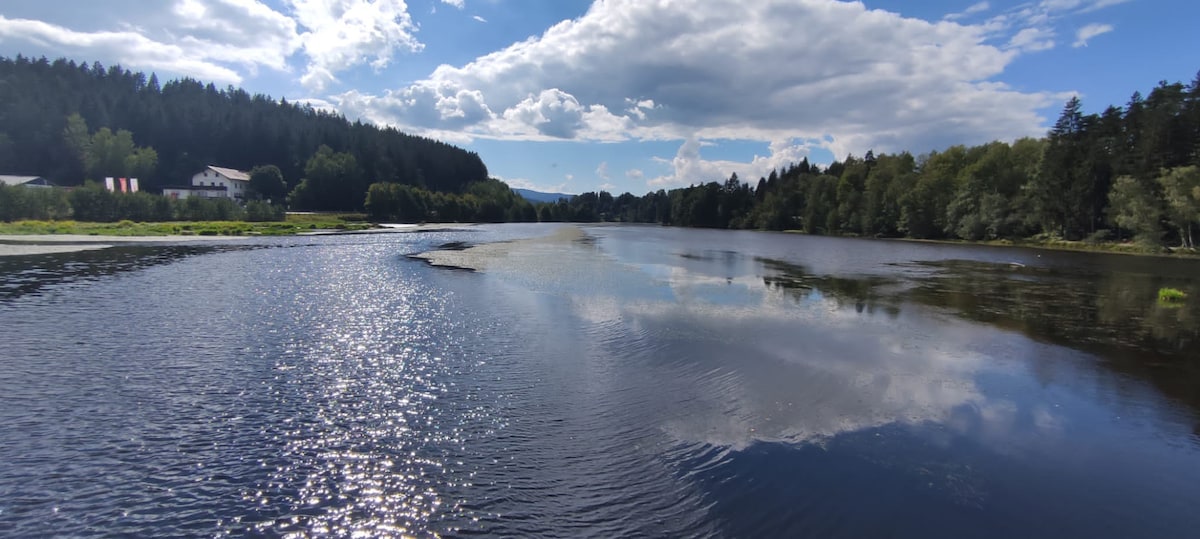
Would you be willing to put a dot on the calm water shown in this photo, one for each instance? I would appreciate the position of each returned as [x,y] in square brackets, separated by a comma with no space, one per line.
[632,381]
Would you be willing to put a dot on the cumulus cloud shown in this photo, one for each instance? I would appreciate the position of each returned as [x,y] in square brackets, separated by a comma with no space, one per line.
[339,34]
[456,3]
[1083,35]
[245,32]
[710,69]
[689,167]
[634,174]
[440,108]
[206,39]
[602,170]
[552,112]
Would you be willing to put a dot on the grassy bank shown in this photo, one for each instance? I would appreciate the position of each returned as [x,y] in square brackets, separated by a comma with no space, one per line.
[1128,248]
[293,224]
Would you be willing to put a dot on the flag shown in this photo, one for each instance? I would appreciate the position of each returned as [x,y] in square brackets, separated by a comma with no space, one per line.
[108,183]
[122,180]
[133,186]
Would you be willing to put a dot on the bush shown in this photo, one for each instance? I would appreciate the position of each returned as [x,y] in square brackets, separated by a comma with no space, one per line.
[1099,236]
[20,203]
[258,211]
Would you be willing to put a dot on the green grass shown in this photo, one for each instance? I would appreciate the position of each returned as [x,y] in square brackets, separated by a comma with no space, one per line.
[293,224]
[1171,295]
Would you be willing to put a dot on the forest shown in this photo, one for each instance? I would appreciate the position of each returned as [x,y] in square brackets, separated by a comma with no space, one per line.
[48,107]
[1127,173]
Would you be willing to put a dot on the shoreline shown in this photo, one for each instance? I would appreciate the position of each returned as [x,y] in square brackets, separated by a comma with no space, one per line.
[1063,246]
[39,244]
[42,244]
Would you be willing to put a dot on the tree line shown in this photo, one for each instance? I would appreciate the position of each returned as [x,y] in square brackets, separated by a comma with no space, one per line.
[1130,172]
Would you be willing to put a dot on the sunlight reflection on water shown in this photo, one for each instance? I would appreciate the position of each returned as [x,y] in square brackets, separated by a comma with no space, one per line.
[637,381]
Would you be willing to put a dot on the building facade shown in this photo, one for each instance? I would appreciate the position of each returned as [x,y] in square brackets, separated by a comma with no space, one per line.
[214,182]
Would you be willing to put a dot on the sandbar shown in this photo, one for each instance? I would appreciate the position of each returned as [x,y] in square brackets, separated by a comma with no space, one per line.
[478,257]
[39,244]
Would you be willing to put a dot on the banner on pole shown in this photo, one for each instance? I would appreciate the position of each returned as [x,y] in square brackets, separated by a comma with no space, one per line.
[123,190]
[108,183]
[133,185]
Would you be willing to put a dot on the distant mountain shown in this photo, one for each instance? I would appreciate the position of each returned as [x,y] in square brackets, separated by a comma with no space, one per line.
[538,196]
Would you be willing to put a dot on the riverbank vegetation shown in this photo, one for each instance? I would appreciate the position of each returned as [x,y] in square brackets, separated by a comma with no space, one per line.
[93,203]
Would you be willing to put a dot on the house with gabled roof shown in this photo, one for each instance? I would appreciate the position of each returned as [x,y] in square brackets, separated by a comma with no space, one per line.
[25,181]
[214,182]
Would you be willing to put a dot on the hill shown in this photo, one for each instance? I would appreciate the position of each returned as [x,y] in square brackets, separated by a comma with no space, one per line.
[539,196]
[191,124]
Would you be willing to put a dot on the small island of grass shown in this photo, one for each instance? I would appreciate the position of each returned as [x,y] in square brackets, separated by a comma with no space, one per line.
[1171,295]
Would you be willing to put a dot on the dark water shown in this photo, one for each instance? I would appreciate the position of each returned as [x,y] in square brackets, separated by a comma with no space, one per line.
[635,381]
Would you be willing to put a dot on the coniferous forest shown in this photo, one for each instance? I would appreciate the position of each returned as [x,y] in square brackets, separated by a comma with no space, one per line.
[1131,172]
[1127,173]
[189,125]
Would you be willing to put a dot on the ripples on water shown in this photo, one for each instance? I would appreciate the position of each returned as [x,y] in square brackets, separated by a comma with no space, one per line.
[637,382]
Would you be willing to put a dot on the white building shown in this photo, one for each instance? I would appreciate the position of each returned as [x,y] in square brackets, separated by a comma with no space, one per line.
[214,182]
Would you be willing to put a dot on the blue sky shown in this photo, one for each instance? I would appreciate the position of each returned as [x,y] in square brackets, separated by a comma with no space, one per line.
[636,95]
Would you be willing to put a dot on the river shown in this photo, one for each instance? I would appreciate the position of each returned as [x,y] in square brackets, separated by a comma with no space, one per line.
[597,381]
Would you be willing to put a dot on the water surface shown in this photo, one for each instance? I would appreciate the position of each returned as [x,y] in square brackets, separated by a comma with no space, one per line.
[616,381]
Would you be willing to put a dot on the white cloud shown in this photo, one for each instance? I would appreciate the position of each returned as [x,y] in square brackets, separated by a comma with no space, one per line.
[1088,32]
[602,170]
[634,174]
[126,47]
[437,107]
[972,10]
[710,69]
[340,34]
[456,3]
[1032,39]
[246,32]
[1030,27]
[688,167]
[606,186]
[205,39]
[478,18]
[553,113]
